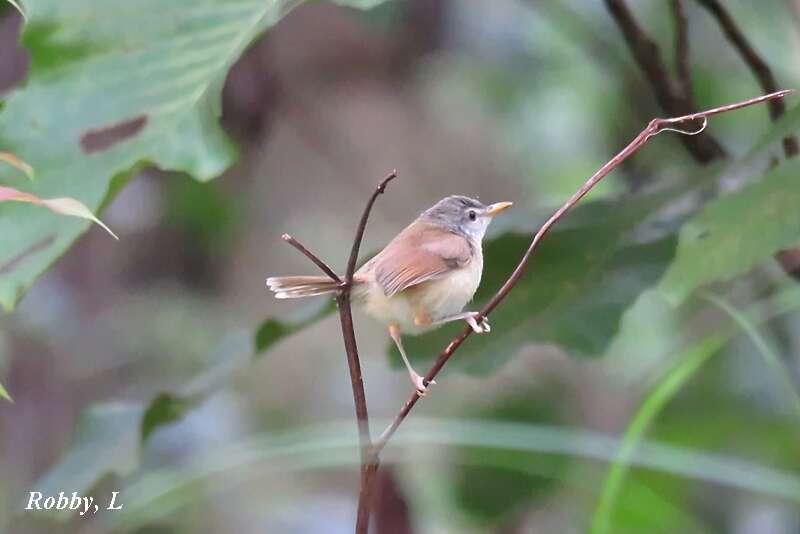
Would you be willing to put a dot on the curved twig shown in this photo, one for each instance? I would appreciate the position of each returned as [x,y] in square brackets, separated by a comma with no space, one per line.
[655,127]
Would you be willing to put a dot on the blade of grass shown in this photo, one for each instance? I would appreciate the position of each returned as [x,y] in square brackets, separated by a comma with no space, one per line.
[692,360]
[771,358]
[322,447]
[18,7]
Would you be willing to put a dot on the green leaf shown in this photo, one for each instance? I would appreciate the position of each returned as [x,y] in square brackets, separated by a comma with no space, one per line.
[688,363]
[107,441]
[109,437]
[273,330]
[509,479]
[577,286]
[4,394]
[771,358]
[111,85]
[665,390]
[736,232]
[787,124]
[166,408]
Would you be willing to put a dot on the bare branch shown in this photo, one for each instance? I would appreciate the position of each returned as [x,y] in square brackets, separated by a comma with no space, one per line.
[655,127]
[362,225]
[670,96]
[757,66]
[313,257]
[369,459]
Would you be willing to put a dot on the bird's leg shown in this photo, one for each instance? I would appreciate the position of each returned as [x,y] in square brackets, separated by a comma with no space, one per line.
[416,379]
[469,317]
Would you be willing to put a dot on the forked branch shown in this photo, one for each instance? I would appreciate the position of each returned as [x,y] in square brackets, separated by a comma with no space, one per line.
[685,124]
[369,459]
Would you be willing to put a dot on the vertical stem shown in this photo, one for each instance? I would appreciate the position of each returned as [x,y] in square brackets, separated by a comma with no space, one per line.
[369,460]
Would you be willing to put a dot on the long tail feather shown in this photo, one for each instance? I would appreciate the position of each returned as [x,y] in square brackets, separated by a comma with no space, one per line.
[295,287]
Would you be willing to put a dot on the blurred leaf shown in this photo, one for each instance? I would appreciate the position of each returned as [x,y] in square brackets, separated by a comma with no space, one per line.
[577,286]
[4,394]
[17,6]
[771,358]
[689,362]
[64,206]
[662,393]
[273,330]
[109,437]
[202,210]
[111,85]
[14,161]
[493,482]
[655,503]
[166,408]
[787,124]
[161,492]
[106,441]
[736,232]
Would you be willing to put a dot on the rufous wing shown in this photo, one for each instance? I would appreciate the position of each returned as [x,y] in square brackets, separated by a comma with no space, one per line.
[419,253]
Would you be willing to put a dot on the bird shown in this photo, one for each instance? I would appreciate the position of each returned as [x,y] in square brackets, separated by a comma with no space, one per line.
[422,279]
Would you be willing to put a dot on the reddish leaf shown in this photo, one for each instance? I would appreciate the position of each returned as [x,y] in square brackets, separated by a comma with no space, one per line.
[63,205]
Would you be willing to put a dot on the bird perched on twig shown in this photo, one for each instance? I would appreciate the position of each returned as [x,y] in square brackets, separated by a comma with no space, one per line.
[423,278]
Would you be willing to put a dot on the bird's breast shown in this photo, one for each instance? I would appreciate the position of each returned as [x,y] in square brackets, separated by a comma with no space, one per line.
[433,299]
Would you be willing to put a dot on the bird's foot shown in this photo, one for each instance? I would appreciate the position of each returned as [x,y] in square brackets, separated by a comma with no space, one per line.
[479,328]
[419,383]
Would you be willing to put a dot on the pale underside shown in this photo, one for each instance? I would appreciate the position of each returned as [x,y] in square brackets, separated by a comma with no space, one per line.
[432,274]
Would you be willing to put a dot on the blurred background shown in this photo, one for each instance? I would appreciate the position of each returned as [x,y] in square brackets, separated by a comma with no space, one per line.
[134,365]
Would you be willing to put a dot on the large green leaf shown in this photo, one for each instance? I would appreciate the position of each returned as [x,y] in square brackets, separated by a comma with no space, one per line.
[578,284]
[113,85]
[736,232]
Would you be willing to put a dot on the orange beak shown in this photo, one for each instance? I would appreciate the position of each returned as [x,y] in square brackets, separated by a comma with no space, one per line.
[497,207]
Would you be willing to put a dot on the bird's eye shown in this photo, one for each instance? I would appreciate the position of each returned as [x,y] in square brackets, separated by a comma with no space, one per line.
[472,215]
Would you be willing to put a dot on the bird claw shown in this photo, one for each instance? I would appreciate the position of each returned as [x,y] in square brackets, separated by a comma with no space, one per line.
[479,328]
[419,383]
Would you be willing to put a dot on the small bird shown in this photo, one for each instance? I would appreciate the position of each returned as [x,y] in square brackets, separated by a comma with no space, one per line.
[422,279]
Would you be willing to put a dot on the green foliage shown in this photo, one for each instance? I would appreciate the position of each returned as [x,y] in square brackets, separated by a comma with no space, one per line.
[106,441]
[273,330]
[578,284]
[655,401]
[736,232]
[508,478]
[112,85]
[166,408]
[4,394]
[688,365]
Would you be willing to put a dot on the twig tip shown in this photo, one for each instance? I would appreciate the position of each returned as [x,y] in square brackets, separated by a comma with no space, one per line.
[286,237]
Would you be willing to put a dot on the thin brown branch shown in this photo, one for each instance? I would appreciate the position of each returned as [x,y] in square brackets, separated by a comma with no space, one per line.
[655,127]
[369,460]
[313,257]
[670,95]
[682,50]
[362,225]
[755,63]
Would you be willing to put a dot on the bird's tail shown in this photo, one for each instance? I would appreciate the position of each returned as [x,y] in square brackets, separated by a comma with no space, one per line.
[295,287]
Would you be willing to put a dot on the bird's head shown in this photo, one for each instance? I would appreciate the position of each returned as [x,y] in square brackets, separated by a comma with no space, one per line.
[464,215]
